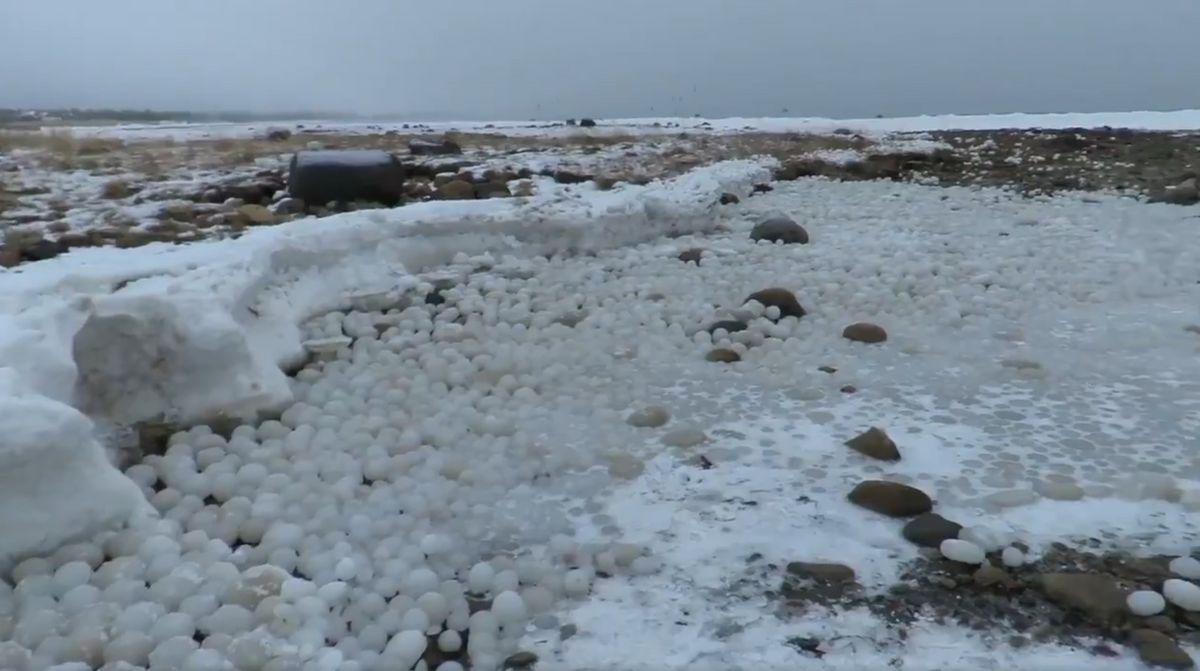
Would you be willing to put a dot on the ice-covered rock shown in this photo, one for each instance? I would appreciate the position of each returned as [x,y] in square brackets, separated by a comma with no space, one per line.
[1182,593]
[1185,567]
[1145,603]
[961,551]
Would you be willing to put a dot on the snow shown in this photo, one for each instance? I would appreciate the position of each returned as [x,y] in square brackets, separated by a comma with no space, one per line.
[195,332]
[1031,341]
[1143,120]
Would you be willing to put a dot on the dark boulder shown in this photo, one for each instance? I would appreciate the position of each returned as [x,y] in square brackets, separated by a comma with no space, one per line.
[587,123]
[442,147]
[319,177]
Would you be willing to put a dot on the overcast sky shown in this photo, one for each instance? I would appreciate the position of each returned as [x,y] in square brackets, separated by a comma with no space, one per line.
[484,59]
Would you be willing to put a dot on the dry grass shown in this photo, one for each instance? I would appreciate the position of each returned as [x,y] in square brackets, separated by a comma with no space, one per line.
[59,149]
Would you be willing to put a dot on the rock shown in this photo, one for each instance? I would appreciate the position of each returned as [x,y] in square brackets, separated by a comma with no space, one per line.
[729,199]
[587,123]
[890,498]
[722,355]
[1161,623]
[1157,649]
[116,189]
[763,188]
[849,389]
[41,249]
[1095,596]
[780,298]
[876,444]
[1185,567]
[1186,192]
[684,437]
[865,332]
[990,576]
[456,189]
[730,326]
[492,190]
[827,369]
[820,572]
[441,147]
[278,134]
[319,177]
[963,552]
[1058,491]
[780,229]
[571,122]
[288,206]
[1182,593]
[1145,603]
[520,660]
[567,631]
[257,215]
[930,529]
[649,418]
[693,255]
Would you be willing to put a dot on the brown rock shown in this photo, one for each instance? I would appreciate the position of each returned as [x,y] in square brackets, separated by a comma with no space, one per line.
[492,190]
[603,183]
[865,332]
[891,498]
[1157,649]
[693,255]
[257,215]
[821,572]
[875,443]
[520,660]
[990,576]
[1096,596]
[780,229]
[781,298]
[722,355]
[1161,623]
[116,189]
[930,529]
[456,189]
[180,212]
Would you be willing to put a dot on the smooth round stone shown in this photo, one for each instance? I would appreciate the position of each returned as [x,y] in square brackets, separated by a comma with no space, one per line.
[684,437]
[1145,603]
[961,551]
[649,418]
[1185,567]
[1182,593]
[1058,491]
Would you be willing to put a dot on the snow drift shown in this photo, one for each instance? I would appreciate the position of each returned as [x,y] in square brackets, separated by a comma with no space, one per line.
[188,333]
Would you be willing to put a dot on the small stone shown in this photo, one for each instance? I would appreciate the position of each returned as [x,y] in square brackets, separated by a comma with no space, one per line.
[930,529]
[257,215]
[1161,623]
[520,660]
[1192,328]
[729,199]
[693,255]
[1145,603]
[722,355]
[947,583]
[781,298]
[849,389]
[865,332]
[649,418]
[729,325]
[821,572]
[442,147]
[964,552]
[1096,596]
[456,189]
[567,631]
[989,576]
[763,188]
[890,498]
[875,443]
[780,229]
[1157,649]
[827,369]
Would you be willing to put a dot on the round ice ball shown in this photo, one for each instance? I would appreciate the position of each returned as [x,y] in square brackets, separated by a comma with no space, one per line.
[1012,557]
[132,647]
[480,578]
[962,551]
[577,582]
[1145,603]
[449,641]
[1182,593]
[406,648]
[510,609]
[171,653]
[1185,567]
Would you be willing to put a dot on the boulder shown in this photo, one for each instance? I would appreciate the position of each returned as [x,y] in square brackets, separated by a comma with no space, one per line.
[320,177]
[780,229]
[875,443]
[890,498]
[729,199]
[495,189]
[930,529]
[257,215]
[1157,649]
[456,189]
[278,134]
[865,332]
[1186,192]
[722,355]
[587,123]
[1096,596]
[783,299]
[440,147]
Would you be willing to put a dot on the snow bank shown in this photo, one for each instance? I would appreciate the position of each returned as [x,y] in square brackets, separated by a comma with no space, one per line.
[187,333]
[1165,121]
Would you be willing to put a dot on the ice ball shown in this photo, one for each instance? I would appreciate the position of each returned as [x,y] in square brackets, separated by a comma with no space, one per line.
[1145,603]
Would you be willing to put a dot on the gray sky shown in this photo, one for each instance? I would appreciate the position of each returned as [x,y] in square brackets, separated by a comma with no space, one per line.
[560,58]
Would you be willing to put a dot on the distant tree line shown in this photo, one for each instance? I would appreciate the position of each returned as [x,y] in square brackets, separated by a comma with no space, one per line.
[153,116]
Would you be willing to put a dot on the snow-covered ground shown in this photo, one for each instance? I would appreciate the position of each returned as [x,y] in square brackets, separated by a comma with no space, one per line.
[1174,120]
[1040,381]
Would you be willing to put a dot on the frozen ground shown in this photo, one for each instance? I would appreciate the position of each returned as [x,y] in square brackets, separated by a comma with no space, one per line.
[466,401]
